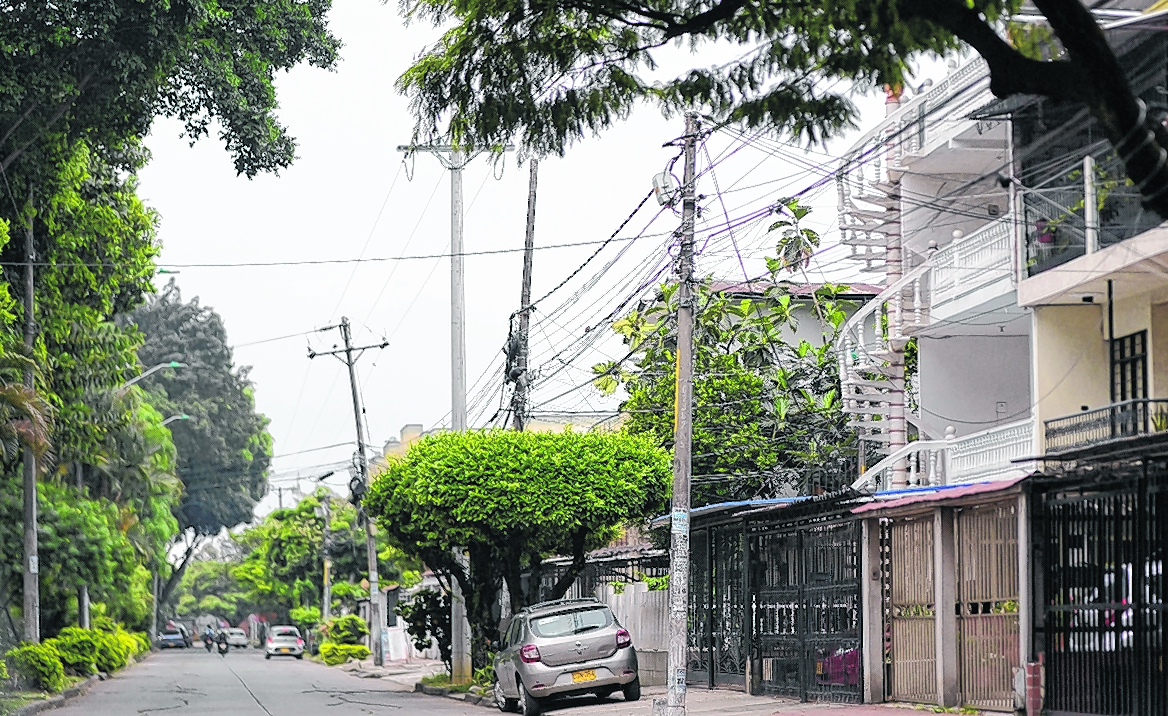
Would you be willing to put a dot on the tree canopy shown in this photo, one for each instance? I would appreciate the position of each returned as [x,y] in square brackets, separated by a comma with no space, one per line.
[510,500]
[224,448]
[104,69]
[546,72]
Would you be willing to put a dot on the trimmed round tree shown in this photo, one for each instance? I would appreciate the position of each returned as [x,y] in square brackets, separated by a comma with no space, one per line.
[508,501]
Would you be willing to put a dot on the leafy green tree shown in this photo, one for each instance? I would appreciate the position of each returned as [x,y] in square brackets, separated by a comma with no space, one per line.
[224,448]
[283,570]
[210,587]
[767,418]
[548,72]
[510,500]
[103,69]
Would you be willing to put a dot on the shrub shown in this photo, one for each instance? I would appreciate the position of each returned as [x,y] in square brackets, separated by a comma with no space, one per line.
[38,665]
[334,654]
[3,671]
[78,649]
[349,629]
[112,653]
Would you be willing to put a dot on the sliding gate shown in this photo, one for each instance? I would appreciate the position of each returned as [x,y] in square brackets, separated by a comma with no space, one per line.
[805,632]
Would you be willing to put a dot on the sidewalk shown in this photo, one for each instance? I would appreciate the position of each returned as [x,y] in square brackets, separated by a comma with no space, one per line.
[403,675]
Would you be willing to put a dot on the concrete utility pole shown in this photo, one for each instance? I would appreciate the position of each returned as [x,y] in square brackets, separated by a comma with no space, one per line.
[31,567]
[519,369]
[677,660]
[376,622]
[326,604]
[455,159]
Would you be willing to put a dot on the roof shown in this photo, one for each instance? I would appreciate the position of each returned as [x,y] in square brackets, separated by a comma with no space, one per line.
[914,496]
[758,286]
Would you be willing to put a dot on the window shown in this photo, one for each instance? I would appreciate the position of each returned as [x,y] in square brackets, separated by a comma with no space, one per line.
[1129,367]
[571,622]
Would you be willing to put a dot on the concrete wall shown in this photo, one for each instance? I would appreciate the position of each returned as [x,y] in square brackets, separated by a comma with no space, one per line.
[1072,365]
[1158,373]
[646,615]
[964,378]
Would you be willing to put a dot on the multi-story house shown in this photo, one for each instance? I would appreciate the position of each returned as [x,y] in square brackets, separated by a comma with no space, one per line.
[1005,545]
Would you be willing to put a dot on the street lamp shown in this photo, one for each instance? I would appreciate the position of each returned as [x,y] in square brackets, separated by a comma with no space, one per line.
[173,418]
[150,371]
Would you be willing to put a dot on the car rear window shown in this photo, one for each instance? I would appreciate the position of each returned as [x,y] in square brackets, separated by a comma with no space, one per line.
[568,623]
[286,631]
[171,632]
[235,632]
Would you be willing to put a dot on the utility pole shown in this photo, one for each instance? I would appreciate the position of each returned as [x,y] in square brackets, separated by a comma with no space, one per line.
[326,605]
[518,371]
[455,159]
[375,619]
[32,588]
[674,702]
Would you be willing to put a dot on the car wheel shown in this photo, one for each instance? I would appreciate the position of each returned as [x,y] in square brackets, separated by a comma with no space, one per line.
[632,690]
[528,705]
[505,704]
[300,655]
[267,656]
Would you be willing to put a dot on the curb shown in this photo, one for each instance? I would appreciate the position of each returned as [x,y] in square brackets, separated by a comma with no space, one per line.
[59,700]
[468,698]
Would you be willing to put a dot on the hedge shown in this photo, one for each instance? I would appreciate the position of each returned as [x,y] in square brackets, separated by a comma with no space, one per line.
[348,629]
[334,654]
[38,665]
[78,649]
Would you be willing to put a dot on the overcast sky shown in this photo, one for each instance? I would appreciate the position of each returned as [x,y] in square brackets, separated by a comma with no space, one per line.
[350,196]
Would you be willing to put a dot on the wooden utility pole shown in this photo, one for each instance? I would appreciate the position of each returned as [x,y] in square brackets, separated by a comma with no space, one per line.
[519,369]
[677,661]
[31,567]
[376,623]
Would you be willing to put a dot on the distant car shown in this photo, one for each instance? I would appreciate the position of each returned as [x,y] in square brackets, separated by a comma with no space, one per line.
[171,639]
[284,641]
[564,648]
[236,638]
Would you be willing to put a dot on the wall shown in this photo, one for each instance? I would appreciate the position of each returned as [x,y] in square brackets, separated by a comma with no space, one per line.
[646,616]
[963,378]
[1158,385]
[1072,366]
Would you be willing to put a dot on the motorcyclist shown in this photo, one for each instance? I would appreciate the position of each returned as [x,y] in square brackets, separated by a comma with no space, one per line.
[208,638]
[222,640]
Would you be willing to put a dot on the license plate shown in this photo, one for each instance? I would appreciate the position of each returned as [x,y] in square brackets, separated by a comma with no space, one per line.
[285,651]
[586,675]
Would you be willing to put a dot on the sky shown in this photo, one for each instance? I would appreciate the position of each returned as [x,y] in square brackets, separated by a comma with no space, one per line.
[253,249]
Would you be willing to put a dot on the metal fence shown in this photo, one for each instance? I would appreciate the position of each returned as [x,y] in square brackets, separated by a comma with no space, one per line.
[1129,419]
[1104,599]
[912,647]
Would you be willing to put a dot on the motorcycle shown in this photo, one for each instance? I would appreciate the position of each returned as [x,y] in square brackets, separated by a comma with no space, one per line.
[207,642]
[223,648]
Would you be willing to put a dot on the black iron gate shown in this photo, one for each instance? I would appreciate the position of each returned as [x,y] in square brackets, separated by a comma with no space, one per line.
[1104,600]
[717,608]
[805,631]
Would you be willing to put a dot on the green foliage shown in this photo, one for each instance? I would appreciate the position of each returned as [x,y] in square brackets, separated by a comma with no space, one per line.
[77,649]
[39,665]
[485,676]
[210,587]
[305,617]
[657,584]
[224,449]
[546,74]
[103,69]
[347,629]
[767,417]
[427,619]
[510,499]
[334,654]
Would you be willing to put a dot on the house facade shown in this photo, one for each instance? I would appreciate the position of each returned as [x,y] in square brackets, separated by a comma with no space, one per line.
[1004,545]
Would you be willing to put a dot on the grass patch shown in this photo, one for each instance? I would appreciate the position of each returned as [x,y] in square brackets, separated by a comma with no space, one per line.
[12,700]
[443,680]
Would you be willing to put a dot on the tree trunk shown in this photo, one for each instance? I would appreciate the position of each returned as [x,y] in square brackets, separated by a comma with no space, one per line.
[578,563]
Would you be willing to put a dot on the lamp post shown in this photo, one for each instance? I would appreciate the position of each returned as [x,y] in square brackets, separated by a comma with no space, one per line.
[173,418]
[151,371]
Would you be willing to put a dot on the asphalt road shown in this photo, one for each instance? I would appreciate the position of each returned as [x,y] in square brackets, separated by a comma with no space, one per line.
[178,682]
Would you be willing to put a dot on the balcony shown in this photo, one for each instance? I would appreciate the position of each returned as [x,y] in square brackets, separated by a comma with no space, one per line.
[985,456]
[1104,427]
[973,271]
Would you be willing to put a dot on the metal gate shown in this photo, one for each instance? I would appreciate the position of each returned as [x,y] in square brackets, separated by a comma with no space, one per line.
[987,609]
[912,649]
[805,631]
[717,608]
[1104,601]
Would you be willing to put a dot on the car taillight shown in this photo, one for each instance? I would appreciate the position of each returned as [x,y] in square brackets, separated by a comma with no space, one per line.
[269,640]
[529,654]
[300,643]
[623,639]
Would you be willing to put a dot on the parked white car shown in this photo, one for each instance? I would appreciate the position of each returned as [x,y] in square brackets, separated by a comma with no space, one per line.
[237,638]
[284,641]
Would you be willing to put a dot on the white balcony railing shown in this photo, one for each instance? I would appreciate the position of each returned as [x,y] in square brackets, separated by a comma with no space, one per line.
[981,457]
[971,264]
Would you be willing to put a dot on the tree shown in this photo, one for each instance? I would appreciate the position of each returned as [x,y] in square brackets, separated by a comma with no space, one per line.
[547,72]
[767,418]
[103,69]
[510,500]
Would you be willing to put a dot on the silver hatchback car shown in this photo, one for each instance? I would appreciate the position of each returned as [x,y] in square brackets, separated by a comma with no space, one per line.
[564,648]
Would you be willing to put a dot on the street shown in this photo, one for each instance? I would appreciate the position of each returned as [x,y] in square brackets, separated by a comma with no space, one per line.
[191,681]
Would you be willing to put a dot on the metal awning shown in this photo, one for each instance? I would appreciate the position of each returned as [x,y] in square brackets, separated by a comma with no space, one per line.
[918,497]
